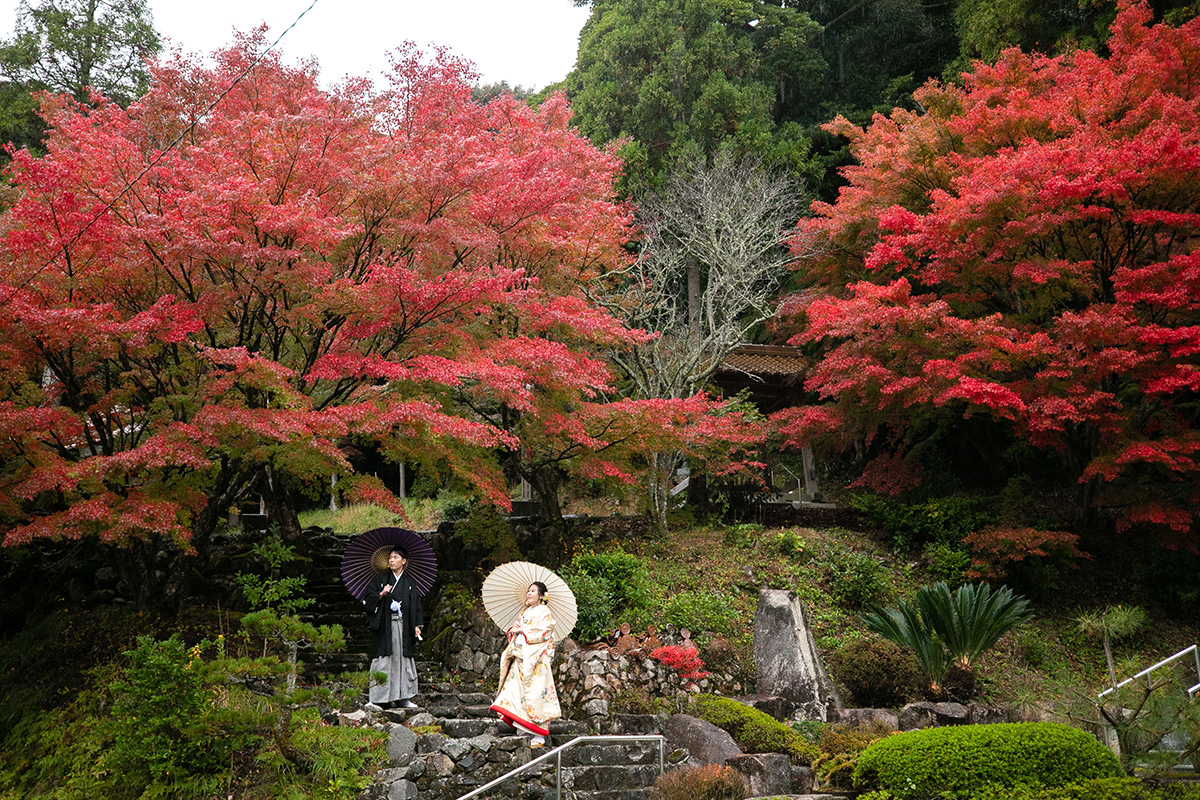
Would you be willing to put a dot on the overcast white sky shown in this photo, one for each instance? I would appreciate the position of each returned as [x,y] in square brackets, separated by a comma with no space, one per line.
[530,43]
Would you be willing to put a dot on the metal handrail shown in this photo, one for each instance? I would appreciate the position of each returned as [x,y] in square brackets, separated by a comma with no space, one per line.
[557,754]
[1146,672]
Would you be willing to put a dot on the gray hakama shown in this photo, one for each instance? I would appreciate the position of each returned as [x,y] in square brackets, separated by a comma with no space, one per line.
[401,672]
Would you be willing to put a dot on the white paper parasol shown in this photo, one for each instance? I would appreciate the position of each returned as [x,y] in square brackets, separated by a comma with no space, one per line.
[504,595]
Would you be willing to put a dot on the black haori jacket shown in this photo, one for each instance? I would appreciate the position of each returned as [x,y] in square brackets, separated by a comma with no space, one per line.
[379,613]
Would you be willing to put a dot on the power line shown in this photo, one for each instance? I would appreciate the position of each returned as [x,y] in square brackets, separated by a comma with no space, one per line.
[62,250]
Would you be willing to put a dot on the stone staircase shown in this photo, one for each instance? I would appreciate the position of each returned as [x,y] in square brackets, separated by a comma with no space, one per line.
[462,744]
[335,606]
[471,746]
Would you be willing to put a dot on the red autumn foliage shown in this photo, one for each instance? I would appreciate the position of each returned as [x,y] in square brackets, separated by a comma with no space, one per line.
[1023,249]
[402,268]
[889,474]
[995,550]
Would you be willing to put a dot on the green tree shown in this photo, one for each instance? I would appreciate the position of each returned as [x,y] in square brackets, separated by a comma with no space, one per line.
[987,27]
[1111,624]
[680,77]
[73,46]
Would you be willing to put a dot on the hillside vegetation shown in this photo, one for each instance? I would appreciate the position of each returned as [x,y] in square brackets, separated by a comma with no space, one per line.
[64,675]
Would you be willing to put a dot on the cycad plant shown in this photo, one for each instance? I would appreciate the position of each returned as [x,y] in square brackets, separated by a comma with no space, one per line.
[904,626]
[972,618]
[942,627]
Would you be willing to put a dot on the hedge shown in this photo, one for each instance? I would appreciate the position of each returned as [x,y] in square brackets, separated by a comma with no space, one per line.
[962,759]
[1097,789]
[756,731]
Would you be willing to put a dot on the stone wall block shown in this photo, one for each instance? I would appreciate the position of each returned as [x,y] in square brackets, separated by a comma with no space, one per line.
[416,768]
[401,742]
[457,749]
[596,708]
[430,742]
[438,765]
[402,790]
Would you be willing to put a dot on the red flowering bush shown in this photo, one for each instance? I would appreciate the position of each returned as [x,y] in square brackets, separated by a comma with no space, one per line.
[684,660]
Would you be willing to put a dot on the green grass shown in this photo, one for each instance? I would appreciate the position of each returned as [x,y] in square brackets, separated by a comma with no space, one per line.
[418,515]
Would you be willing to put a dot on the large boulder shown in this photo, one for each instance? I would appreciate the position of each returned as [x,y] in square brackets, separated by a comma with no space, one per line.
[705,742]
[769,774]
[862,717]
[786,658]
[916,716]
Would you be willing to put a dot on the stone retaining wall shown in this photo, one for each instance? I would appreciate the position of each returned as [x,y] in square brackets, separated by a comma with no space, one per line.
[588,679]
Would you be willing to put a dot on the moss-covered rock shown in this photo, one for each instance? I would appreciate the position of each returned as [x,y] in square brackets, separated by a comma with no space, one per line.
[754,730]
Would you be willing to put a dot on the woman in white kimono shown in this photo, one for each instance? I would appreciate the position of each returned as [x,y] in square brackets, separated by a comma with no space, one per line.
[527,698]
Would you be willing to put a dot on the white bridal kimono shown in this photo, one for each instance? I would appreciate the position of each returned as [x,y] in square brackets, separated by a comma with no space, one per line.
[527,695]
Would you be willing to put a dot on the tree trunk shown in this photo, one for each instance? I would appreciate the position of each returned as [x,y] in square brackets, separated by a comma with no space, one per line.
[546,483]
[281,511]
[693,288]
[661,472]
[1108,656]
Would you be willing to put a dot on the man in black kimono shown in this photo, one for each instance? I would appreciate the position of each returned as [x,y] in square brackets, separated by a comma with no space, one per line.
[393,605]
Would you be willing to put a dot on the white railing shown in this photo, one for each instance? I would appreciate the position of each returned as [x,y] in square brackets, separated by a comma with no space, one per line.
[1192,691]
[556,754]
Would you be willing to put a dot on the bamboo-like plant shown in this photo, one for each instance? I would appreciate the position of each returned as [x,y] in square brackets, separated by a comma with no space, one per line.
[943,627]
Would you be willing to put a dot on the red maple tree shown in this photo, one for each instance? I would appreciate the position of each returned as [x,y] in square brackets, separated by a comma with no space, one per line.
[403,268]
[1023,250]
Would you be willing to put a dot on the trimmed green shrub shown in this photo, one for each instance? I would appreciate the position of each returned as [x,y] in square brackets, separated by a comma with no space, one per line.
[920,764]
[756,731]
[1098,789]
[626,575]
[595,605]
[877,673]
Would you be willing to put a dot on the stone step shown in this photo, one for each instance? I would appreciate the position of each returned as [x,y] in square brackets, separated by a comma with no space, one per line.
[612,794]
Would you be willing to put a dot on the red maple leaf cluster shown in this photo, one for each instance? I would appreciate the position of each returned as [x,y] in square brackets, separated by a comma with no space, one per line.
[1023,249]
[404,268]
